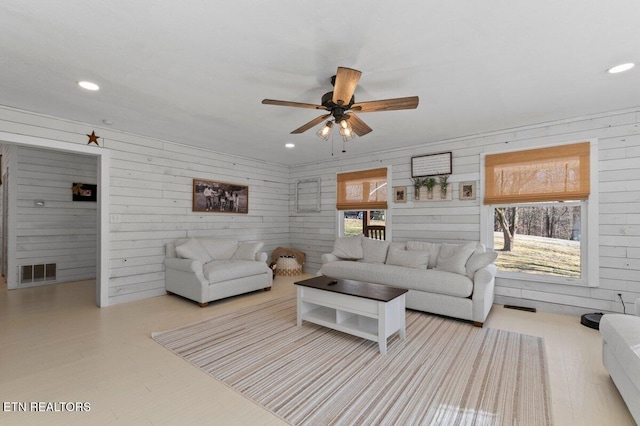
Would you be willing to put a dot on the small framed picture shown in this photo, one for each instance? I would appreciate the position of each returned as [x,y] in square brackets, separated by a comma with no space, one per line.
[467,190]
[399,194]
[84,192]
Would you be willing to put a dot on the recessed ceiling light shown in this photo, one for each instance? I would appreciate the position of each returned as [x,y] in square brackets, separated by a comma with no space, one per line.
[621,68]
[290,145]
[88,85]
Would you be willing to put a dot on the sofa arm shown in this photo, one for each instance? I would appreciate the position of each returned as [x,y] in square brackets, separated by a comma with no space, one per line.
[483,292]
[328,257]
[187,265]
[484,276]
[261,256]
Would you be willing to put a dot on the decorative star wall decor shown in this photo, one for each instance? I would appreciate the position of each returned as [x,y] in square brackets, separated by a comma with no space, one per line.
[93,138]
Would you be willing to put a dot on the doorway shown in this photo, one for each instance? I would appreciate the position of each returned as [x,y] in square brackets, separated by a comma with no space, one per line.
[103,158]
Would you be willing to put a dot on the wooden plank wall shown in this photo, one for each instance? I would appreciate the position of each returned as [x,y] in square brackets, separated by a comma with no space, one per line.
[150,198]
[456,220]
[64,231]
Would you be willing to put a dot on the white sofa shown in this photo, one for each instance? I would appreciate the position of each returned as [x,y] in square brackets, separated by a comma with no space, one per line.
[207,269]
[455,280]
[621,355]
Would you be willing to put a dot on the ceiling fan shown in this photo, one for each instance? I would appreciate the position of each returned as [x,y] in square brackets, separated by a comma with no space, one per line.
[341,105]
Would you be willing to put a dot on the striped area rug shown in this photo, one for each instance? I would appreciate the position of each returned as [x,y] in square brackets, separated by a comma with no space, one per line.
[446,372]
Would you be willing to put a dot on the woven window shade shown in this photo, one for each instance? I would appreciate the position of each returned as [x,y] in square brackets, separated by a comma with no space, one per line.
[364,190]
[558,173]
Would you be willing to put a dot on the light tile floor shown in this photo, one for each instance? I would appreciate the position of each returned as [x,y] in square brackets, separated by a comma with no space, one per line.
[57,346]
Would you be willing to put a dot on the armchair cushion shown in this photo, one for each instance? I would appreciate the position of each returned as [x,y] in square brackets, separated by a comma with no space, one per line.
[192,249]
[224,270]
[247,251]
[220,249]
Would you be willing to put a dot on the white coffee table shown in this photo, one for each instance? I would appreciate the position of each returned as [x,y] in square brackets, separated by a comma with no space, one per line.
[371,311]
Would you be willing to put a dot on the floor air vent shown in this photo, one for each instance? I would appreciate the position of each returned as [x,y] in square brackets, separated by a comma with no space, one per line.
[37,273]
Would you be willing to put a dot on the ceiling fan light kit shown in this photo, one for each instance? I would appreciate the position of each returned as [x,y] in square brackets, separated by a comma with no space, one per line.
[325,130]
[341,104]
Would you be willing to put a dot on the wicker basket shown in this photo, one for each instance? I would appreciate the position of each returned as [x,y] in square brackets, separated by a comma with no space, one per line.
[288,266]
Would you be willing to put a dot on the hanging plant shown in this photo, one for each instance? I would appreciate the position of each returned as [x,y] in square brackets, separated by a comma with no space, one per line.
[417,183]
[443,186]
[429,183]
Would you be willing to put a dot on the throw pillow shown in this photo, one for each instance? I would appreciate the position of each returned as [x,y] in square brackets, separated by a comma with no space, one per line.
[247,251]
[408,258]
[479,261]
[348,247]
[374,251]
[192,249]
[432,248]
[453,257]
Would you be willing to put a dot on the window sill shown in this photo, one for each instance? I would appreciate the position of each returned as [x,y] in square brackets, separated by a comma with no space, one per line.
[543,279]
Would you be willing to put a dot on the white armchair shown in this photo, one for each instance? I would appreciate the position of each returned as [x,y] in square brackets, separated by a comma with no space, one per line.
[207,269]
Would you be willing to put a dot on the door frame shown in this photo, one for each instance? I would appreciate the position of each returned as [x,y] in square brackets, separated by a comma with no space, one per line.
[103,160]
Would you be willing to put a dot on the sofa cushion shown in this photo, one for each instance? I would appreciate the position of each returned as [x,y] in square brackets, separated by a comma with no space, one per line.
[428,280]
[348,247]
[432,248]
[480,260]
[219,249]
[223,270]
[247,251]
[374,251]
[453,257]
[192,249]
[408,258]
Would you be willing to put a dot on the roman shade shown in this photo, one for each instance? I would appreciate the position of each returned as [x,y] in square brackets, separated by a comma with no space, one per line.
[363,190]
[559,173]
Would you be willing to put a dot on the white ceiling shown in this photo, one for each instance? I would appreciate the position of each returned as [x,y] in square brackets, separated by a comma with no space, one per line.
[195,71]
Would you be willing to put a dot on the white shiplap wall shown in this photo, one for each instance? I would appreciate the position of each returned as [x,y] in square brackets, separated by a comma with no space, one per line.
[62,232]
[619,194]
[150,198]
[151,202]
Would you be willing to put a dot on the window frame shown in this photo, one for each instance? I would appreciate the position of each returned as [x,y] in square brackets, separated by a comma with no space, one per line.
[589,226]
[387,210]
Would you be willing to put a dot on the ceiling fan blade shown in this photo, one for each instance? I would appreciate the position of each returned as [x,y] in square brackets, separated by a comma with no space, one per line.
[410,102]
[359,127]
[311,124]
[345,84]
[292,104]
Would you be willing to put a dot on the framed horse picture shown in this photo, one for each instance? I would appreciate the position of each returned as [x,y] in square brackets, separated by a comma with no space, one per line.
[211,196]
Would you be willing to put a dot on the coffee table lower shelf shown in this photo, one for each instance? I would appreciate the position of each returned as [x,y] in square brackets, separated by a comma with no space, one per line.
[369,319]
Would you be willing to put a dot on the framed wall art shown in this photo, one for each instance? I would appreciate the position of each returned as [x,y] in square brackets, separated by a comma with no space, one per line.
[220,197]
[308,195]
[84,192]
[431,164]
[399,194]
[467,190]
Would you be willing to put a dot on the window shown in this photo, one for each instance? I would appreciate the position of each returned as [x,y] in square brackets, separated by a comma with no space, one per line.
[537,206]
[357,222]
[361,200]
[541,239]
